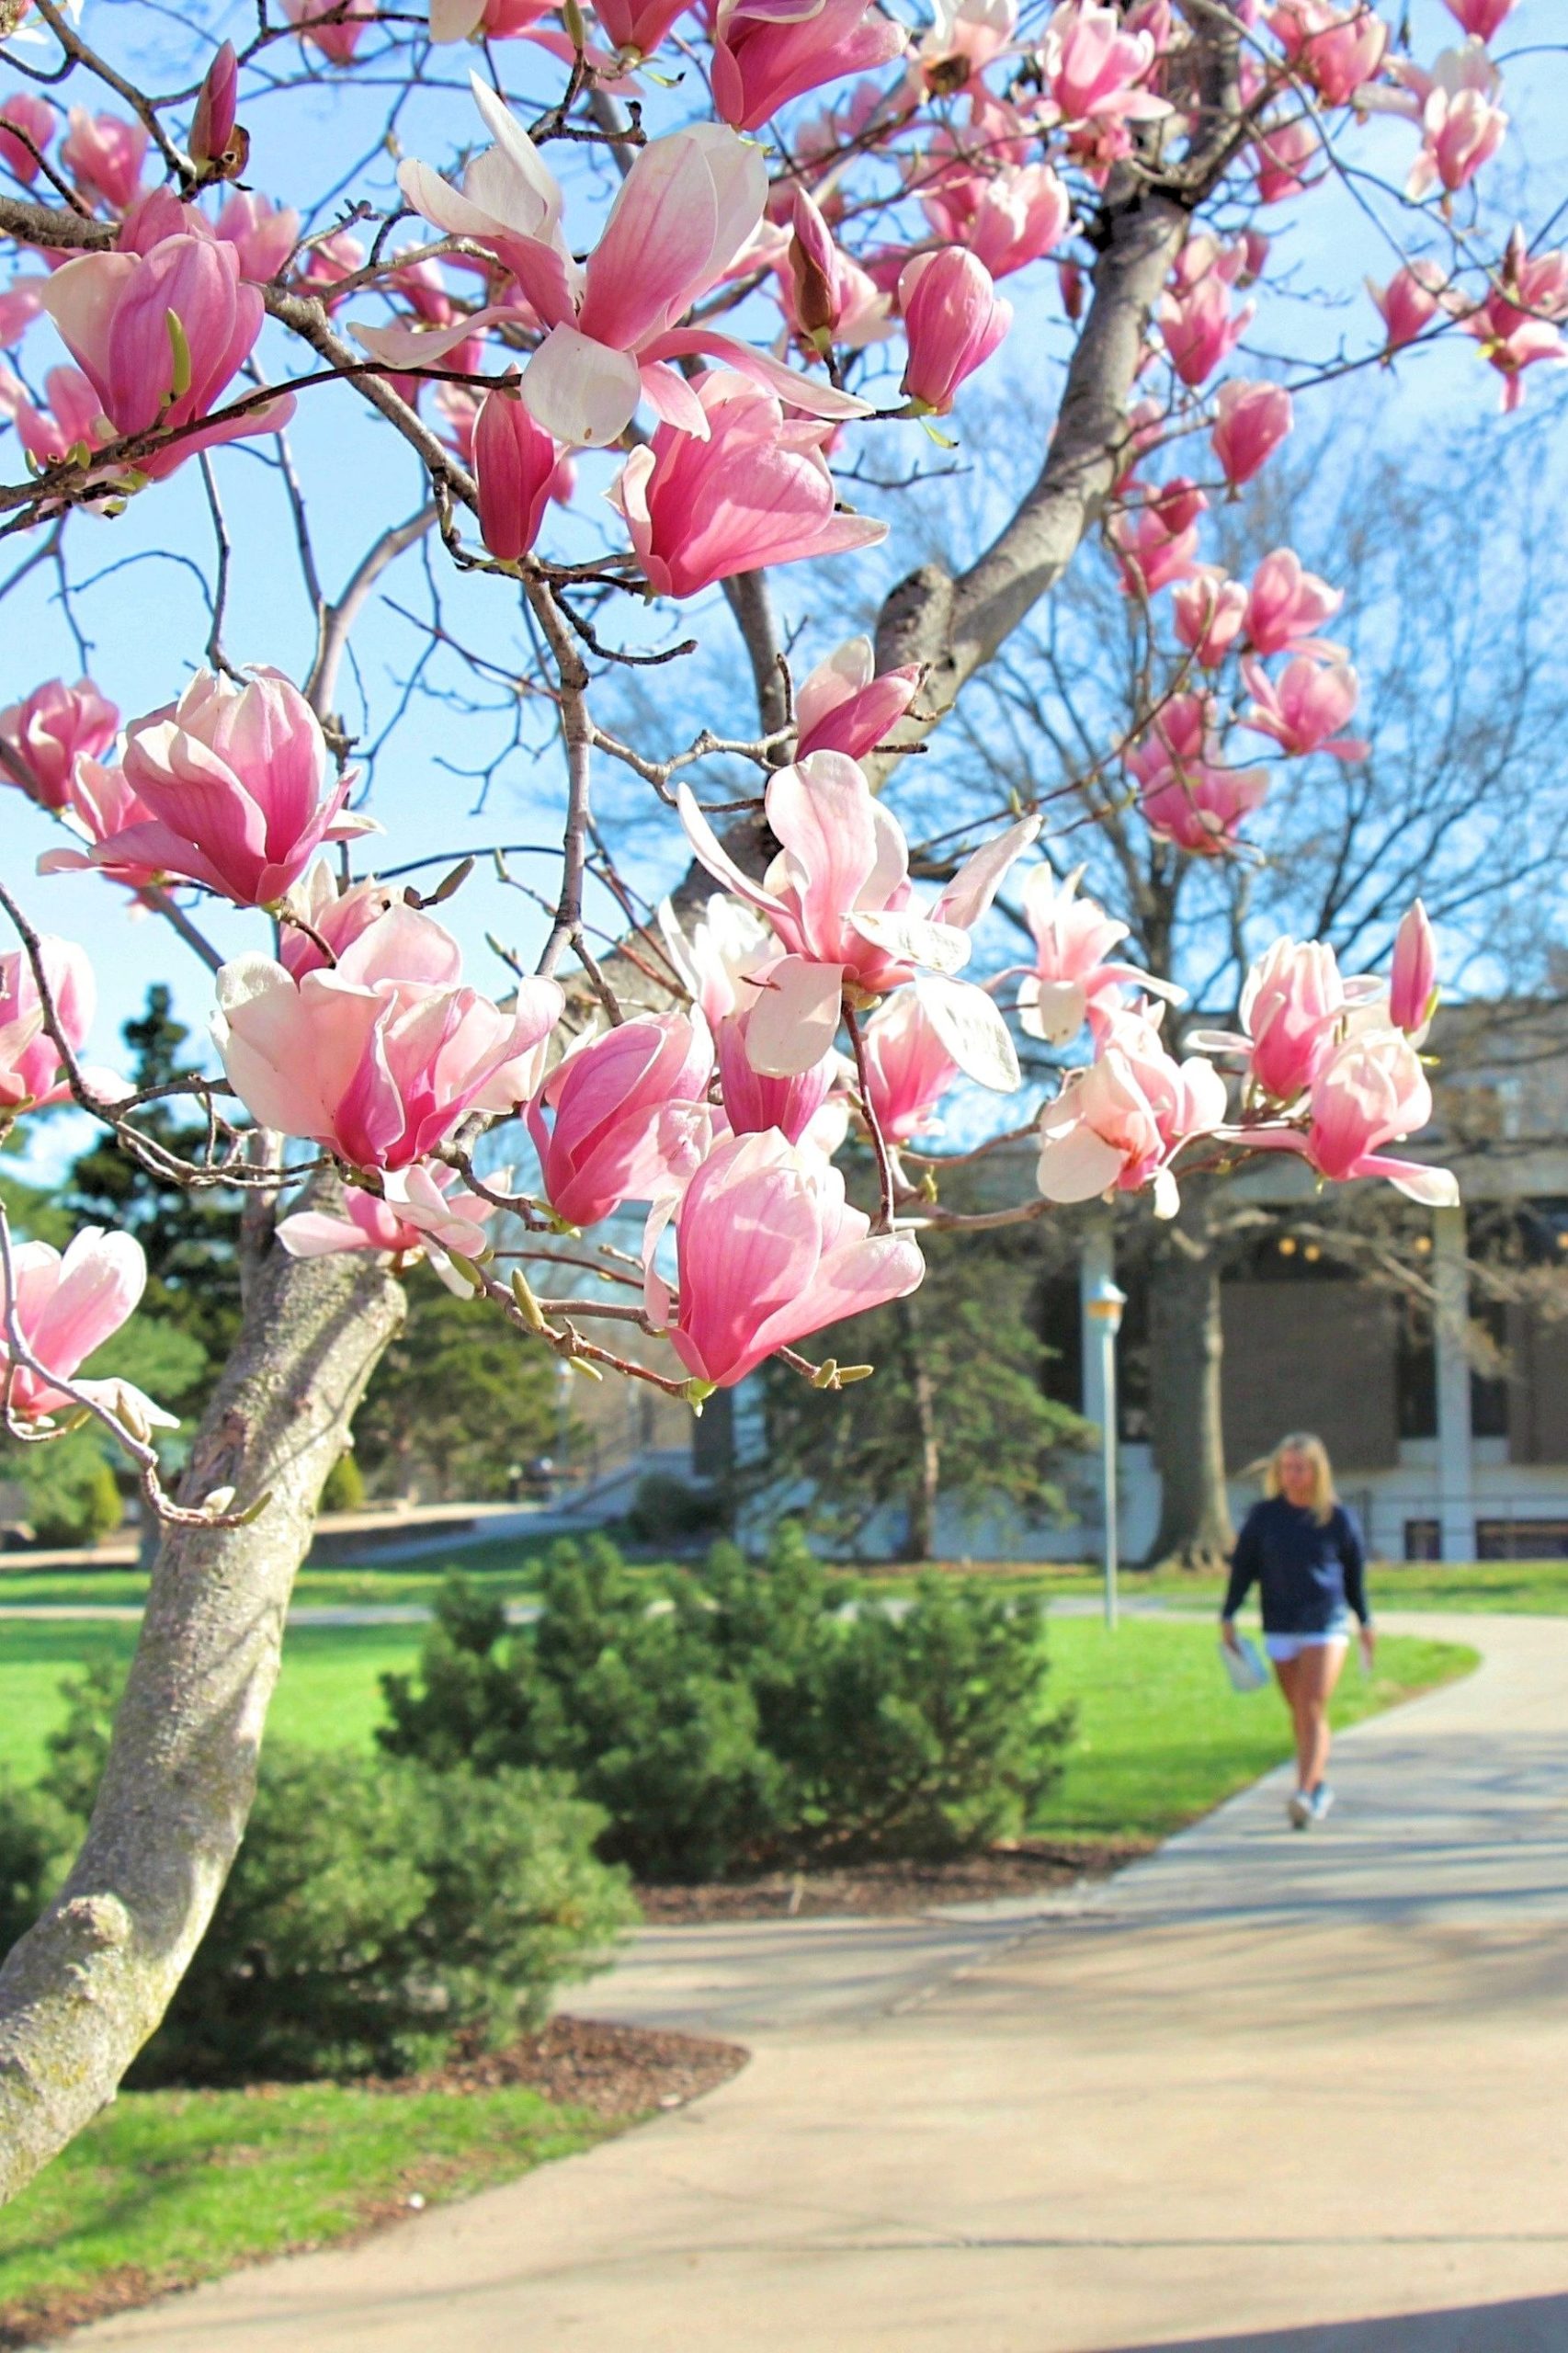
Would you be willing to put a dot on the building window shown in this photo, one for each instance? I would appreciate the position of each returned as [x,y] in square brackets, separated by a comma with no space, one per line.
[1489,1383]
[1521,1539]
[1415,1379]
[1423,1540]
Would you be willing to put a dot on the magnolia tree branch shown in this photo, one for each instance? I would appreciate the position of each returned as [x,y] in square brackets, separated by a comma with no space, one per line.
[335,622]
[956,626]
[85,1988]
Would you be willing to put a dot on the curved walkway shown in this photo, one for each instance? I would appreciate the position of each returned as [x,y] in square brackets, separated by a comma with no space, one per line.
[1263,2093]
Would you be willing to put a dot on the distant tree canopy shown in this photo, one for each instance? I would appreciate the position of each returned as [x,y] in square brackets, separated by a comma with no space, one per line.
[453,1404]
[957,1409]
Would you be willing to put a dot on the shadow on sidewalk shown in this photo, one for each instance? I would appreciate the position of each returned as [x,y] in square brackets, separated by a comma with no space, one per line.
[1530,2324]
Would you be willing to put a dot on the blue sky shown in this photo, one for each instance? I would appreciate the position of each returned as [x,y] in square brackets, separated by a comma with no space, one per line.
[145,615]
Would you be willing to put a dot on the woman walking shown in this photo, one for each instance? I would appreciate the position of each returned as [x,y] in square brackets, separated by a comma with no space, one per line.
[1303,1549]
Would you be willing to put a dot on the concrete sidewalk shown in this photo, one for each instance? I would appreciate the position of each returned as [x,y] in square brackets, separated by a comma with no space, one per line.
[1267,2093]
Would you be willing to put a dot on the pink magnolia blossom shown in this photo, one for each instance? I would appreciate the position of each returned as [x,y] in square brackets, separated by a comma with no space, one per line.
[104,155]
[1370,1091]
[319,919]
[101,805]
[828,299]
[1516,324]
[1286,605]
[1208,611]
[1118,1125]
[953,319]
[485,19]
[725,948]
[1294,1010]
[515,462]
[844,706]
[236,780]
[627,1116]
[908,1068]
[43,738]
[1151,549]
[38,120]
[1253,420]
[637,28]
[753,490]
[1200,329]
[328,264]
[32,1071]
[419,1211]
[1305,708]
[768,51]
[1094,68]
[1409,302]
[74,421]
[379,1056]
[335,27]
[689,206]
[262,234]
[1413,982]
[1072,979]
[1201,807]
[159,337]
[839,899]
[752,1101]
[1281,157]
[1005,219]
[1462,124]
[966,37]
[1482,19]
[211,143]
[65,1308]
[1207,255]
[768,1251]
[1334,47]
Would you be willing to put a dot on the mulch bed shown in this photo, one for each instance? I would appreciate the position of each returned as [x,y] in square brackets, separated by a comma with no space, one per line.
[890,1888]
[615,2071]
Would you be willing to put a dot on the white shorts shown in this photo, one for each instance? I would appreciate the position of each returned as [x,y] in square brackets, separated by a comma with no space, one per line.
[1288,1646]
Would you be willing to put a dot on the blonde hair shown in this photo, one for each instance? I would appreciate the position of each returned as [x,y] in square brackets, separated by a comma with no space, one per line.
[1303,1442]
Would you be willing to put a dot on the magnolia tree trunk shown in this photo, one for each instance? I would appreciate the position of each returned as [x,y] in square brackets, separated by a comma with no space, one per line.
[925,1443]
[1185,1352]
[85,1988]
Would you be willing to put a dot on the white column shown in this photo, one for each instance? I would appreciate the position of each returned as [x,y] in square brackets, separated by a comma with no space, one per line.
[1451,1283]
[1096,1268]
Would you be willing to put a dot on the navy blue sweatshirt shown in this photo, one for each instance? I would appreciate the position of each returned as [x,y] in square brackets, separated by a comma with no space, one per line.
[1309,1571]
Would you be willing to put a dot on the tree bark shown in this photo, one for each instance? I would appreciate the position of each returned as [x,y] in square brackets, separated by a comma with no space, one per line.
[926,1485]
[86,1987]
[1186,1351]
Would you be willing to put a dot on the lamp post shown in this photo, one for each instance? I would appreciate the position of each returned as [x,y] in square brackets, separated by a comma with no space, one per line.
[1103,1306]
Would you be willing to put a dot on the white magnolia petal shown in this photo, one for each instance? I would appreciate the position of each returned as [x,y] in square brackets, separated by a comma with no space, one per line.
[795,1018]
[972,1030]
[972,888]
[914,939]
[581,390]
[1076,1164]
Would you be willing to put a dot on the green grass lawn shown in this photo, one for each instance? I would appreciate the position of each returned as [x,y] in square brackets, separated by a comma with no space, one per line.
[1161,1736]
[504,1569]
[169,2188]
[327,1696]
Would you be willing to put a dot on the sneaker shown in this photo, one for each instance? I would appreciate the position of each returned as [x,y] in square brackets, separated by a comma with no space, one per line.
[1300,1810]
[1319,1802]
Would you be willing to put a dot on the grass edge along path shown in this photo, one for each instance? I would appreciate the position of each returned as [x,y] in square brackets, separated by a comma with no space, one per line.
[168,2188]
[1164,1676]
